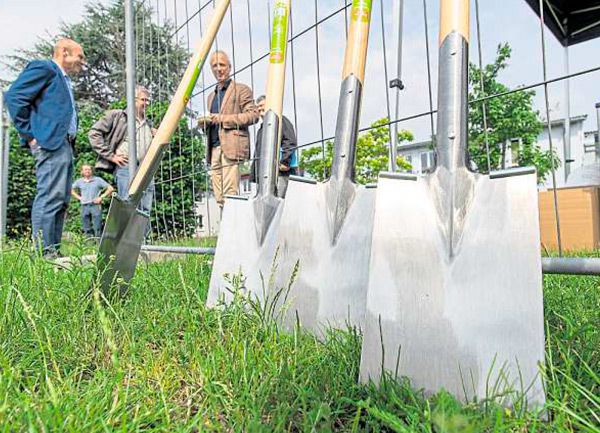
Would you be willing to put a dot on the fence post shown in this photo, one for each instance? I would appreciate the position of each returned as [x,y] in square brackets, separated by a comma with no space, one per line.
[4,148]
[130,79]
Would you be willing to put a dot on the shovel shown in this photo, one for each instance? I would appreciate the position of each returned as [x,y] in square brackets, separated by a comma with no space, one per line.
[125,226]
[326,227]
[455,288]
[249,227]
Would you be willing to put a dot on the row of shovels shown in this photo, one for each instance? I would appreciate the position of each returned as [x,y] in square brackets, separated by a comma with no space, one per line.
[441,272]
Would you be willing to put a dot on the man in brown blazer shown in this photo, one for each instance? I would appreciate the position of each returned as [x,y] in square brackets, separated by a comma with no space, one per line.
[232,111]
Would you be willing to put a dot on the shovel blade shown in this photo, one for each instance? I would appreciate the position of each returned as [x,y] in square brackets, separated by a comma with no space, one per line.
[246,246]
[121,243]
[330,287]
[471,323]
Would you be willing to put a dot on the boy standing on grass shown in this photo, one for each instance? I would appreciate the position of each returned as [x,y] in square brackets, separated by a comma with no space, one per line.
[90,196]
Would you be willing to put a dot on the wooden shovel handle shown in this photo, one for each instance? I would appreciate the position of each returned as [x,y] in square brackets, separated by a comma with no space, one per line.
[358,40]
[454,17]
[276,73]
[180,100]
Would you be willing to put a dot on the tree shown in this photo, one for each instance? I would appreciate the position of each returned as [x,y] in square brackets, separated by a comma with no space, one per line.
[509,117]
[372,154]
[161,60]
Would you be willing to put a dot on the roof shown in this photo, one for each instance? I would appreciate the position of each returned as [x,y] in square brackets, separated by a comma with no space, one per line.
[560,122]
[415,146]
[571,21]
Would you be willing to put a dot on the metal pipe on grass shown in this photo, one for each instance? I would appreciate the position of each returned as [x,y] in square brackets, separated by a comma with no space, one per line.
[130,72]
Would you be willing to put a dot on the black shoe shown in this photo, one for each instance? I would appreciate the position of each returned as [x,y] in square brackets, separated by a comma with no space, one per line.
[51,255]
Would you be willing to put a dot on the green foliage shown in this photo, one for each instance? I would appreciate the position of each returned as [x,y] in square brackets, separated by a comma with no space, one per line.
[21,188]
[372,154]
[185,163]
[508,117]
[161,361]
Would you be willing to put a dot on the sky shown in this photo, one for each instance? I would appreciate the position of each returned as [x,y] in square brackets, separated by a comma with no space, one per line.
[512,21]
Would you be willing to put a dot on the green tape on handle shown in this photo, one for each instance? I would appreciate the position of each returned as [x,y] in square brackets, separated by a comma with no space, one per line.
[279,35]
[190,88]
[361,10]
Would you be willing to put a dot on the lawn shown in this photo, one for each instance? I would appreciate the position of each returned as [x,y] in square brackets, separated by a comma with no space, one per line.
[159,361]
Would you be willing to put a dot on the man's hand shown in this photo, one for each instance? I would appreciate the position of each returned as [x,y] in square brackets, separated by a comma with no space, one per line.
[154,131]
[33,144]
[204,121]
[98,200]
[120,160]
[283,168]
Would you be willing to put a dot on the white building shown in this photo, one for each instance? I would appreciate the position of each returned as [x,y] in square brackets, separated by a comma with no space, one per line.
[583,152]
[420,155]
[582,167]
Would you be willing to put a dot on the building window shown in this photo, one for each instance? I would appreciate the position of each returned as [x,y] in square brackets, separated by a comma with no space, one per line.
[246,187]
[427,160]
[512,154]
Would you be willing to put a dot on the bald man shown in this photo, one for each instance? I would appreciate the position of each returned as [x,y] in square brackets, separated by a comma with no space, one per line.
[42,106]
[232,111]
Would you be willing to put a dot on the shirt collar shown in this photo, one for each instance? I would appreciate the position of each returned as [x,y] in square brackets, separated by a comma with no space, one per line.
[225,85]
[61,69]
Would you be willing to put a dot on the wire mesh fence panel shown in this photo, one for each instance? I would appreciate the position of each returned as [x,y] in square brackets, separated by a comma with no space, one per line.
[184,184]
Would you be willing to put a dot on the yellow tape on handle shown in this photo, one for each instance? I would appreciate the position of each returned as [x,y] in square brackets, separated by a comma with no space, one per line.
[358,40]
[277,57]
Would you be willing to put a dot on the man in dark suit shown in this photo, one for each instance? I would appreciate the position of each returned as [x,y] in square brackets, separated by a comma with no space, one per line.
[42,107]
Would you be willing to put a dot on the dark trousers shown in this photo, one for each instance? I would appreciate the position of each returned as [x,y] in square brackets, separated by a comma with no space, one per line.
[54,176]
[91,219]
[283,180]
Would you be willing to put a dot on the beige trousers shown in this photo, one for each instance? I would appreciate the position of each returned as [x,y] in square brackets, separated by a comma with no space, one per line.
[225,175]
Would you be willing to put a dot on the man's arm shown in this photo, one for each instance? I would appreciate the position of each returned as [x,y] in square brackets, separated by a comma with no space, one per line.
[289,143]
[74,194]
[248,115]
[98,134]
[107,192]
[23,92]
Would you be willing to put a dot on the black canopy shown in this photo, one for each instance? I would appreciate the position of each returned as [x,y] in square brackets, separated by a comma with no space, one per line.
[571,21]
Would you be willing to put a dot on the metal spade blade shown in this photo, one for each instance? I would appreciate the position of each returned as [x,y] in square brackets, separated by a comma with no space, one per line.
[326,227]
[455,287]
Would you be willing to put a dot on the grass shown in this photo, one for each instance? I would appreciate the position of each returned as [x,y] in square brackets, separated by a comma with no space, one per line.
[159,361]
